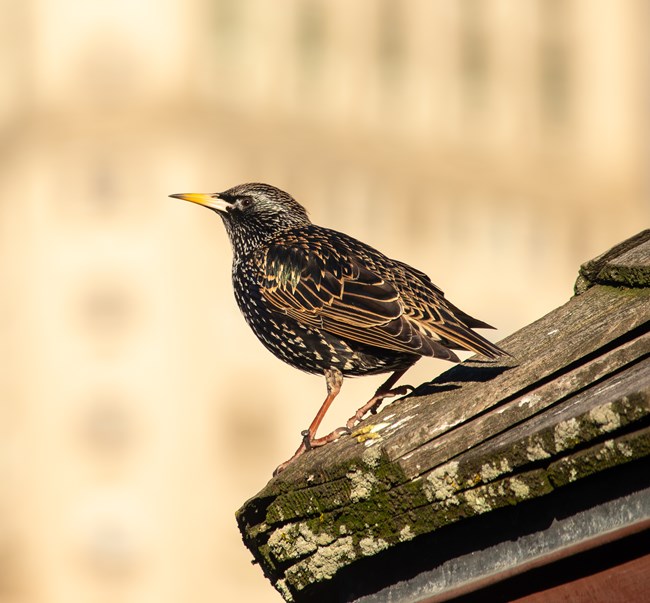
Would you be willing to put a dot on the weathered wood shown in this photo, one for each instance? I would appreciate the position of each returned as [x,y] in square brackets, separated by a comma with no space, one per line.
[480,437]
[557,434]
[487,479]
[617,267]
[531,401]
[610,406]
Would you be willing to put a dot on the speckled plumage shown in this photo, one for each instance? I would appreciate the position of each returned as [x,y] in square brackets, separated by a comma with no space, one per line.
[327,303]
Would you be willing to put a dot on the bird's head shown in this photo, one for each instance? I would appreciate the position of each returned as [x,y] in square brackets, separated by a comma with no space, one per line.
[252,213]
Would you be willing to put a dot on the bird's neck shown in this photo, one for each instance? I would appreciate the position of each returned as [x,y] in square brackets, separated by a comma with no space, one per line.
[246,238]
[245,242]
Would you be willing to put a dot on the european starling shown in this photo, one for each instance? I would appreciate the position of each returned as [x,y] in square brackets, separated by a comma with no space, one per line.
[329,304]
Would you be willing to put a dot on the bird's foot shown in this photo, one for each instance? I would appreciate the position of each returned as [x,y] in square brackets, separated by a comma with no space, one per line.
[280,468]
[309,442]
[330,437]
[374,403]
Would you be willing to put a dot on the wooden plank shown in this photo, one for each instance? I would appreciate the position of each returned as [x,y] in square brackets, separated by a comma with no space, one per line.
[486,478]
[523,406]
[630,269]
[609,406]
[621,401]
[591,272]
[544,349]
[307,552]
[467,488]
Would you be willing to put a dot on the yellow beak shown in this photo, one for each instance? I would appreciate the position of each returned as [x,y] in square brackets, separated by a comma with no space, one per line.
[211,200]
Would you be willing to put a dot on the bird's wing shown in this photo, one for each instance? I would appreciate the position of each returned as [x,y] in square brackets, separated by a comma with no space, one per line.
[427,306]
[345,296]
[435,295]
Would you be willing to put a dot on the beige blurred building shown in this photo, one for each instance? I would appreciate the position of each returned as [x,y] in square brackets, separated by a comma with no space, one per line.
[495,145]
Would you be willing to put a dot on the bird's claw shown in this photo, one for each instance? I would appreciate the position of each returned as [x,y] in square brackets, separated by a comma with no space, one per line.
[373,405]
[341,431]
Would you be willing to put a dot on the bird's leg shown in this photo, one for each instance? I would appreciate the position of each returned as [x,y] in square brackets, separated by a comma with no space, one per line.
[385,390]
[334,380]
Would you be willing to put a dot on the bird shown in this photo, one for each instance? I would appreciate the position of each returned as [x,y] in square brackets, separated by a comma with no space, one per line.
[329,304]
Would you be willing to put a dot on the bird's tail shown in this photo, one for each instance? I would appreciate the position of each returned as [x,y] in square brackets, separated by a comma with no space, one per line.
[466,339]
[456,331]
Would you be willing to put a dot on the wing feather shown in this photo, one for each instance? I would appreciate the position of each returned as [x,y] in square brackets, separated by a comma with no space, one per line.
[386,304]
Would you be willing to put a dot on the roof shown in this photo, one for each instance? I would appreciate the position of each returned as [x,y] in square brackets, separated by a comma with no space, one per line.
[419,501]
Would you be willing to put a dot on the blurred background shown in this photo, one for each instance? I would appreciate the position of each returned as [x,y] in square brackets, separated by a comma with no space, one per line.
[494,145]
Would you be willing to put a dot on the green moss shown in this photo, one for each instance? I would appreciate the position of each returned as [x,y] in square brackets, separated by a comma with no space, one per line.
[355,479]
[605,269]
[372,525]
[611,453]
[550,442]
[628,276]
[308,502]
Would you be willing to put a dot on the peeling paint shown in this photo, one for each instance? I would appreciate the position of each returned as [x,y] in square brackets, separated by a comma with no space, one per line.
[383,501]
[529,400]
[367,433]
[401,422]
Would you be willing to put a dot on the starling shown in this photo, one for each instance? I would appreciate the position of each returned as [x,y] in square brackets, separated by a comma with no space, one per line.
[327,303]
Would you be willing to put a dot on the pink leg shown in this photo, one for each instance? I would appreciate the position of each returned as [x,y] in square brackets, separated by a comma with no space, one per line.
[385,390]
[334,380]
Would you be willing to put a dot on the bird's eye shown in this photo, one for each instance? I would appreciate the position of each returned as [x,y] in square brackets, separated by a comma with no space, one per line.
[245,202]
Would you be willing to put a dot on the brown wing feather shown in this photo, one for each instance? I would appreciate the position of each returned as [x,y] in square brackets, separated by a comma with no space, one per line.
[427,305]
[392,307]
[345,299]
